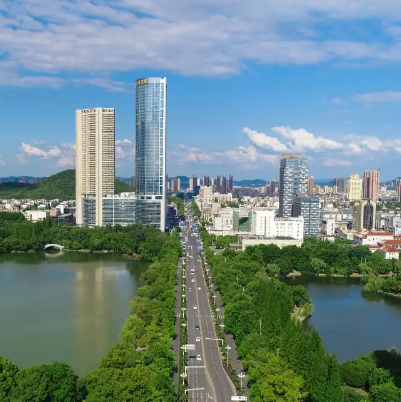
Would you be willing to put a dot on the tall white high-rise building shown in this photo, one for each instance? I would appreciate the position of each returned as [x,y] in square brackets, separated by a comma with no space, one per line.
[95,162]
[150,146]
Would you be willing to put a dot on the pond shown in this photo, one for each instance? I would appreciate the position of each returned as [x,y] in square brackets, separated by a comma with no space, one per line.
[351,322]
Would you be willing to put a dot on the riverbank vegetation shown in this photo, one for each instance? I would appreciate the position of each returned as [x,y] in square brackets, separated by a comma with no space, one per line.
[377,284]
[19,235]
[139,368]
[375,377]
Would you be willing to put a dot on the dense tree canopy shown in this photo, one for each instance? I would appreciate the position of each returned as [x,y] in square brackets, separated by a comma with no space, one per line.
[284,362]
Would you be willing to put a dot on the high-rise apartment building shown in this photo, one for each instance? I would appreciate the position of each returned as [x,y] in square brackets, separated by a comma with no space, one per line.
[308,208]
[191,185]
[364,215]
[293,181]
[311,185]
[398,189]
[341,184]
[95,160]
[223,186]
[150,146]
[176,185]
[230,184]
[272,187]
[195,181]
[371,180]
[354,187]
[206,181]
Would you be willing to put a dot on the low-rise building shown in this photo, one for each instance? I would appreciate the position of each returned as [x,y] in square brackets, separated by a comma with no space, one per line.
[35,215]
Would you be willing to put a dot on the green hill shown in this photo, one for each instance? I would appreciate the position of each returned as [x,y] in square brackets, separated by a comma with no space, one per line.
[60,185]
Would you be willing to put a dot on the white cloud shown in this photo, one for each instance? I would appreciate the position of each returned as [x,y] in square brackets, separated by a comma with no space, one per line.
[336,162]
[51,152]
[125,149]
[264,141]
[301,140]
[2,161]
[378,97]
[40,39]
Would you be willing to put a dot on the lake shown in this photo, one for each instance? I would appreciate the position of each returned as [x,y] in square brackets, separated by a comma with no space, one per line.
[68,307]
[349,321]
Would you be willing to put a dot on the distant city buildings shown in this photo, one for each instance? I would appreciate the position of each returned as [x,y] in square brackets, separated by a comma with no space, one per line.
[95,161]
[371,180]
[150,151]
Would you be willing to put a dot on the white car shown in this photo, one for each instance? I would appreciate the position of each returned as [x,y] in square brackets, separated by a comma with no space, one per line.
[195,307]
[198,288]
[199,358]
[197,339]
[189,289]
[192,280]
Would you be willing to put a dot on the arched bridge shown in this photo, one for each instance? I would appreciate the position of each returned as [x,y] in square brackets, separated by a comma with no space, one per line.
[57,246]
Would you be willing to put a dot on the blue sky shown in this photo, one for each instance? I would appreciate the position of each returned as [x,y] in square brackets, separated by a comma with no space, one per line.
[246,81]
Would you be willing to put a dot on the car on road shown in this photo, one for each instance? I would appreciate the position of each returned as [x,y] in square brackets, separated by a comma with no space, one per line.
[195,307]
[192,280]
[198,288]
[199,358]
[197,327]
[189,289]
[197,339]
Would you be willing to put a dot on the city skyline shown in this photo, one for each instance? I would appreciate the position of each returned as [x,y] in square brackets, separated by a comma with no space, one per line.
[287,79]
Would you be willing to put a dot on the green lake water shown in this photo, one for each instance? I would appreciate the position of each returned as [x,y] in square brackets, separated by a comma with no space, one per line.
[68,307]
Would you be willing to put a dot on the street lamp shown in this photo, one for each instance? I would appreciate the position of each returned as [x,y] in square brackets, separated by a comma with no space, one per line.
[241,376]
[228,348]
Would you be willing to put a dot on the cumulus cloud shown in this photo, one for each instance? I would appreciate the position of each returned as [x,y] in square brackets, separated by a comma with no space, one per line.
[63,155]
[125,149]
[39,39]
[297,140]
[51,152]
[264,141]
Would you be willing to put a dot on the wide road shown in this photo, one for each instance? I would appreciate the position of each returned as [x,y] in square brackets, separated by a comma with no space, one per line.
[210,373]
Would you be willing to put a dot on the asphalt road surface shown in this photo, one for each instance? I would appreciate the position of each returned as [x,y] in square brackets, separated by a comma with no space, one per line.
[205,371]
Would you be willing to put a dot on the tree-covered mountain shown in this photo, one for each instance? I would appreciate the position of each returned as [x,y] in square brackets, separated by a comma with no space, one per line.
[59,186]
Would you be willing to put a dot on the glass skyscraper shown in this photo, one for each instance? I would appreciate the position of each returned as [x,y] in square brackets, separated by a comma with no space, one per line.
[150,147]
[294,177]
